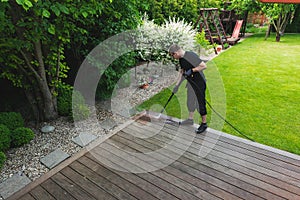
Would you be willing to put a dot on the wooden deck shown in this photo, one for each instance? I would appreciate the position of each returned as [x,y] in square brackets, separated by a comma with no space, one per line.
[153,160]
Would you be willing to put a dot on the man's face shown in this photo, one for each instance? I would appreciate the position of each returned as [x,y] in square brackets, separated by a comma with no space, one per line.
[175,55]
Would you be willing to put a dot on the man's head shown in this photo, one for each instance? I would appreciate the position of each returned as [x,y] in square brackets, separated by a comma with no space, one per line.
[176,51]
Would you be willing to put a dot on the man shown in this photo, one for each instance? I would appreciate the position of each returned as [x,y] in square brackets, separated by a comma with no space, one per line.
[192,69]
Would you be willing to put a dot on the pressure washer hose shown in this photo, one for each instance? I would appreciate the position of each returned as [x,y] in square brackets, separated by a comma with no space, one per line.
[217,113]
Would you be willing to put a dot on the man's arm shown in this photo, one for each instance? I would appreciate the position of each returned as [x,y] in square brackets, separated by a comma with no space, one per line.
[180,77]
[200,67]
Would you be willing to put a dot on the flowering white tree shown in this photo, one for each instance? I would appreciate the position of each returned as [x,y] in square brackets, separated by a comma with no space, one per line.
[153,41]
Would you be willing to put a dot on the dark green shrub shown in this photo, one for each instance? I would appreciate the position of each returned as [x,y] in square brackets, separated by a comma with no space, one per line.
[113,74]
[12,120]
[2,159]
[294,27]
[64,100]
[78,111]
[4,138]
[21,136]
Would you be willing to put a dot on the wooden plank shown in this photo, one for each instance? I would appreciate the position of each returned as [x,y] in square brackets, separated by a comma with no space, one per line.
[187,186]
[26,197]
[120,182]
[134,179]
[255,150]
[265,174]
[229,184]
[262,150]
[290,170]
[260,173]
[238,175]
[181,175]
[280,192]
[277,170]
[275,161]
[100,181]
[56,191]
[198,181]
[40,193]
[161,183]
[247,175]
[258,149]
[198,192]
[71,187]
[86,184]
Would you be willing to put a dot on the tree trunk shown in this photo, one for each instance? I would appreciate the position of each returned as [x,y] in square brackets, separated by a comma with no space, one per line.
[268,31]
[49,110]
[277,36]
[33,104]
[277,28]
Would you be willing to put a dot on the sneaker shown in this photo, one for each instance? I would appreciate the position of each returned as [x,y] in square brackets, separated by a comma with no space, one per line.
[187,122]
[201,128]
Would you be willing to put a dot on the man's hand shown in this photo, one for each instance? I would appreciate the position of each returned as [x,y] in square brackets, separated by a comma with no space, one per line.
[188,73]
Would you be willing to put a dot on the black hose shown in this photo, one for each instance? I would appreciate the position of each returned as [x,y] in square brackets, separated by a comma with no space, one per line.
[237,130]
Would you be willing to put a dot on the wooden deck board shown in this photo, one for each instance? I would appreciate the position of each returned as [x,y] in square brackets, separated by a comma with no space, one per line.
[203,177]
[190,157]
[179,182]
[27,197]
[253,180]
[40,193]
[288,169]
[135,179]
[189,179]
[71,187]
[137,162]
[56,191]
[247,161]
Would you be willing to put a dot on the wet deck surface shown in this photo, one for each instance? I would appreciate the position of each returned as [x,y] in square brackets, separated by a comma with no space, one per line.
[154,160]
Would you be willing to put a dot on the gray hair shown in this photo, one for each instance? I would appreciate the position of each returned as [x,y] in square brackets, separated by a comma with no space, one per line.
[173,48]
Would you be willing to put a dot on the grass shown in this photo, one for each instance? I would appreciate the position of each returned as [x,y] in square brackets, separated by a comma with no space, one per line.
[262,86]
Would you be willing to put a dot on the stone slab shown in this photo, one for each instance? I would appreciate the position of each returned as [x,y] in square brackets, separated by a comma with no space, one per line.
[54,158]
[84,139]
[47,129]
[13,184]
[108,124]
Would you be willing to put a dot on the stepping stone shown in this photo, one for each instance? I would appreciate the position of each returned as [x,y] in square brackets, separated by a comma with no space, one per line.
[47,129]
[54,158]
[84,139]
[108,124]
[13,184]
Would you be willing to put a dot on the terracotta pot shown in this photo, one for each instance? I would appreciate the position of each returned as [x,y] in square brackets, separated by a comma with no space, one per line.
[144,86]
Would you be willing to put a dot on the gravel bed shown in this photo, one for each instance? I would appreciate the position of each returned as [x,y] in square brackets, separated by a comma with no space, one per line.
[26,159]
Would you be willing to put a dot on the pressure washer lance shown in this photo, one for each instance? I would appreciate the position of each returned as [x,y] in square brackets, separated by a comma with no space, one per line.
[167,103]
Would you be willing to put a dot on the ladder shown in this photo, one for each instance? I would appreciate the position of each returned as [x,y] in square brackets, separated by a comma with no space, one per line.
[209,20]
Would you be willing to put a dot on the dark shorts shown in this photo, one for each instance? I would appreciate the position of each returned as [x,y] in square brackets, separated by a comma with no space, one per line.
[196,97]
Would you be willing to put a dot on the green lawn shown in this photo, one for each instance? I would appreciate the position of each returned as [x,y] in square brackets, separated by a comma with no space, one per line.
[262,86]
